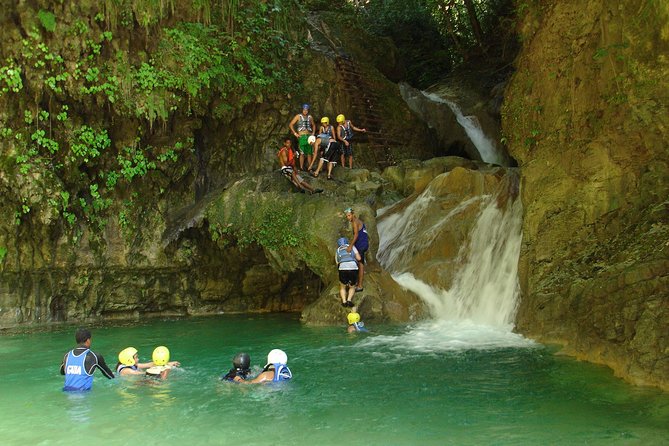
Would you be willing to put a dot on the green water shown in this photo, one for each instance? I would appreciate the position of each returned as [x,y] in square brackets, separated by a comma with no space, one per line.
[429,385]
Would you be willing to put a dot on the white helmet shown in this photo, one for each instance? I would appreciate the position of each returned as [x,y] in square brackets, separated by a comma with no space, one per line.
[311,139]
[277,356]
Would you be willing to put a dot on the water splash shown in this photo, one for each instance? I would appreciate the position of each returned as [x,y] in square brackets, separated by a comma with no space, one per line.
[400,236]
[485,146]
[485,289]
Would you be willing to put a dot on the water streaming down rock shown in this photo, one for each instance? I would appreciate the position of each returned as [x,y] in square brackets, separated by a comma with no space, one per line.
[485,285]
[485,146]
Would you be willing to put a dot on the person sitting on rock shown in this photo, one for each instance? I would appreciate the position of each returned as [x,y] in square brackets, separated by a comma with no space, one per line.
[286,157]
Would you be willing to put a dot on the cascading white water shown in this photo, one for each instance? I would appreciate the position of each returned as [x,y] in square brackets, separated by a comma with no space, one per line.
[485,146]
[485,289]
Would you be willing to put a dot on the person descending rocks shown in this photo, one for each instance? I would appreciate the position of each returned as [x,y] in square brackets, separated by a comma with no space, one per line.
[345,130]
[347,264]
[276,369]
[241,367]
[360,241]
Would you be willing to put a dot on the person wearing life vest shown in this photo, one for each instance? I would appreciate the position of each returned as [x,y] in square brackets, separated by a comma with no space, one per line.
[276,369]
[241,367]
[329,146]
[360,241]
[354,323]
[79,364]
[326,134]
[161,363]
[345,130]
[347,264]
[302,126]
[286,157]
[128,363]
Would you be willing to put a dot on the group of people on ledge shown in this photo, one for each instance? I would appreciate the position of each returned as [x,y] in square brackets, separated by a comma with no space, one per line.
[332,144]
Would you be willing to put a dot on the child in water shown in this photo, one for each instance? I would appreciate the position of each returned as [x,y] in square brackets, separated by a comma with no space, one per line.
[354,323]
[162,364]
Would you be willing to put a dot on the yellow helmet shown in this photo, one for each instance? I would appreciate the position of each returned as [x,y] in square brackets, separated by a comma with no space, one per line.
[161,355]
[353,318]
[341,119]
[127,356]
[325,120]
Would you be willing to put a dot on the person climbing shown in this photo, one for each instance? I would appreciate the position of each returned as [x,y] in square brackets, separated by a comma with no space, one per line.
[79,364]
[347,264]
[327,143]
[322,139]
[128,363]
[241,367]
[162,365]
[345,135]
[361,243]
[305,128]
[276,369]
[286,157]
[354,323]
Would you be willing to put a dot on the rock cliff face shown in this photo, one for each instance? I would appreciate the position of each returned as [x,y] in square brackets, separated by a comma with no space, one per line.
[586,116]
[83,81]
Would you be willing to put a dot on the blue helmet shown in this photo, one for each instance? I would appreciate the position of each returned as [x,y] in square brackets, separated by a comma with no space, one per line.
[305,106]
[342,241]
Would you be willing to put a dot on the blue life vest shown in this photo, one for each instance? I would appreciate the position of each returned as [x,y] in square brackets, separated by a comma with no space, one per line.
[76,376]
[344,256]
[348,131]
[281,373]
[328,131]
[360,326]
[362,243]
[304,123]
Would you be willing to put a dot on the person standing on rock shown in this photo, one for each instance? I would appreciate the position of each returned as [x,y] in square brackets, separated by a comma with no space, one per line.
[360,241]
[80,363]
[302,126]
[345,135]
[347,258]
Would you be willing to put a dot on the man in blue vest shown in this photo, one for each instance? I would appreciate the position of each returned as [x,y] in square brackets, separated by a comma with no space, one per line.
[80,363]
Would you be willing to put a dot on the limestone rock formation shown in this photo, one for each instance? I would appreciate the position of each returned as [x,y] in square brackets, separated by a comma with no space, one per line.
[586,117]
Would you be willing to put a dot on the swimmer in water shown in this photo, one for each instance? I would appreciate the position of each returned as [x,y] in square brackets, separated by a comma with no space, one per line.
[276,369]
[354,323]
[128,362]
[241,367]
[162,363]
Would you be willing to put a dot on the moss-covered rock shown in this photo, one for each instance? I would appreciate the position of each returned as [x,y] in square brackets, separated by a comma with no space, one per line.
[586,118]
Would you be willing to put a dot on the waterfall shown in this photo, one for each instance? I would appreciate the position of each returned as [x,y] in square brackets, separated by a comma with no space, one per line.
[485,146]
[485,287]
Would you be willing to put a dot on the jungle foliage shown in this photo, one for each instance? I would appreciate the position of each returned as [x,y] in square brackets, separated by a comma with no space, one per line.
[71,82]
[435,37]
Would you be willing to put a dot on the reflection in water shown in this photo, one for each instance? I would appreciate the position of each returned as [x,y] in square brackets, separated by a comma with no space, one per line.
[78,406]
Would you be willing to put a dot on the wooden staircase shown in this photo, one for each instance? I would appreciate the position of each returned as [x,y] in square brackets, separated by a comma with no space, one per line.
[365,112]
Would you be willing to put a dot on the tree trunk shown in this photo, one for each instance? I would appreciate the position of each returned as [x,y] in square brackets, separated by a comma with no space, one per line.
[476,26]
